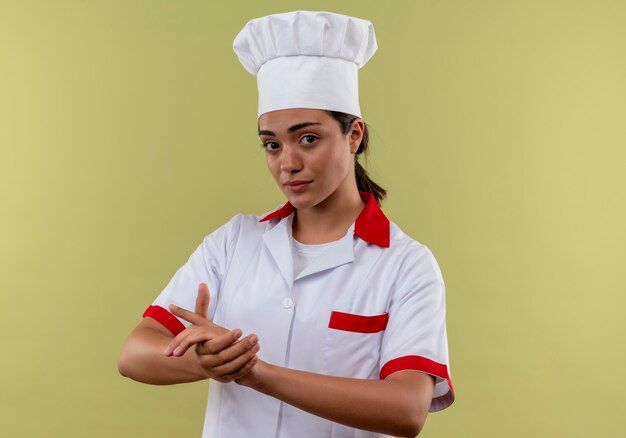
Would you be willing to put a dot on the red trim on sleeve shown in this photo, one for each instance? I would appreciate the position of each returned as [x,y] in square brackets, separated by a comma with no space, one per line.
[163,316]
[416,363]
[358,323]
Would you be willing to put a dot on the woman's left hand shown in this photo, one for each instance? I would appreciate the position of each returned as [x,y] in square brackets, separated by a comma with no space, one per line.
[219,352]
[256,377]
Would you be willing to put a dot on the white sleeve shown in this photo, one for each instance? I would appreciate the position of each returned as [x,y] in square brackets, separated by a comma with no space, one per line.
[206,264]
[415,337]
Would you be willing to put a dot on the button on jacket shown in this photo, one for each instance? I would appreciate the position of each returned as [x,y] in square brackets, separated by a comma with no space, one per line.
[373,304]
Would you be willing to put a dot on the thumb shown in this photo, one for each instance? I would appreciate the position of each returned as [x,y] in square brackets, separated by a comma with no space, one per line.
[202,300]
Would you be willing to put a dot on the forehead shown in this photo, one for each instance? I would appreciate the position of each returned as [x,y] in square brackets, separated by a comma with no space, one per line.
[282,119]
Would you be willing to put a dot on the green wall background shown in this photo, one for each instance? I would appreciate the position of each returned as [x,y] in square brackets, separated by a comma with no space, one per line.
[127,133]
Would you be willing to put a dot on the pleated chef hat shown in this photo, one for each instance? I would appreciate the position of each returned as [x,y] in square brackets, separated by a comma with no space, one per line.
[306,59]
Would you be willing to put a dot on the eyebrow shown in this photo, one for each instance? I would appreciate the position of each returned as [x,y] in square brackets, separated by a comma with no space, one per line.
[291,129]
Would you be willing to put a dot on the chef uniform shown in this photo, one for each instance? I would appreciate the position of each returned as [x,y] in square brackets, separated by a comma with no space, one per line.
[365,306]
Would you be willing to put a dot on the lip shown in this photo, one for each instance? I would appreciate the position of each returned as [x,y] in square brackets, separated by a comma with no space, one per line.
[297,185]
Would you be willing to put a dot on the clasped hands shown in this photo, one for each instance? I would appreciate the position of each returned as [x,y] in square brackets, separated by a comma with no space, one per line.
[219,351]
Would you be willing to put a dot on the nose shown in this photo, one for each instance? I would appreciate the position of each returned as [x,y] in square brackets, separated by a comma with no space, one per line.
[290,160]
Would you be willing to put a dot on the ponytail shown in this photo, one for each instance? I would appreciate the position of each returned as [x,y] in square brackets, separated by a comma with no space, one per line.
[363,181]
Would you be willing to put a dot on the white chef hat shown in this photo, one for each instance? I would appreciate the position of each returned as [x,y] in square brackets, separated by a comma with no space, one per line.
[306,59]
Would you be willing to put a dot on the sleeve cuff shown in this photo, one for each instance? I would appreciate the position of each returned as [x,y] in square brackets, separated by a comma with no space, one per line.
[164,317]
[444,391]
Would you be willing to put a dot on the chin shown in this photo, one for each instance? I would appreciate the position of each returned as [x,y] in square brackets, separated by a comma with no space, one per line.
[299,203]
[301,200]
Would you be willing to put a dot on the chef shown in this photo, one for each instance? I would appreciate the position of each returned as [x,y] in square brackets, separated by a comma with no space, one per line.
[320,318]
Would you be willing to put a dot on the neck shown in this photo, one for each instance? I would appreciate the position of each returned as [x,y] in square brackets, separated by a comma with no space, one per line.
[330,219]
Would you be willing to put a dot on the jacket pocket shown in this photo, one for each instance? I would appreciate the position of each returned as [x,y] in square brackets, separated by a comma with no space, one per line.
[352,346]
[351,322]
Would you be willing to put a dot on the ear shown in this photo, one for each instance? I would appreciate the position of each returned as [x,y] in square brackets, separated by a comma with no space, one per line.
[355,134]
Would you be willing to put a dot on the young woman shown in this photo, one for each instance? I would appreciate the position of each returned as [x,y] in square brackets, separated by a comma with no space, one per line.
[349,310]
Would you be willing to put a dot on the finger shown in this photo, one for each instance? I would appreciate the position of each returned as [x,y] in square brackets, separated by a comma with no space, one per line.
[234,351]
[187,315]
[193,333]
[208,346]
[237,363]
[238,373]
[188,342]
[219,343]
[202,300]
[196,336]
[242,371]
[175,342]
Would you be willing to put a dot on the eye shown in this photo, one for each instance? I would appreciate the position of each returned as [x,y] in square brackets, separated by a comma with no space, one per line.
[270,146]
[308,139]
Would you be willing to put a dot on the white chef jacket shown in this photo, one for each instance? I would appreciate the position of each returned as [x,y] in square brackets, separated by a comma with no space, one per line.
[371,305]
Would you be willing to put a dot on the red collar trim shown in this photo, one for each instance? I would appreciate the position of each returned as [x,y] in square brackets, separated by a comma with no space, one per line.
[282,212]
[372,225]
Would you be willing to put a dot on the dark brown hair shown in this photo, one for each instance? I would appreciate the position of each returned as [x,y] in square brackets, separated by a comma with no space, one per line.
[363,181]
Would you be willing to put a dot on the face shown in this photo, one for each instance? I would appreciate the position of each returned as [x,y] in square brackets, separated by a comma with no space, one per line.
[308,155]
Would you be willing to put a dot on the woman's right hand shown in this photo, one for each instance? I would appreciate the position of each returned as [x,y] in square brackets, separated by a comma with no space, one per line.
[219,351]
